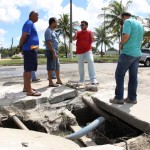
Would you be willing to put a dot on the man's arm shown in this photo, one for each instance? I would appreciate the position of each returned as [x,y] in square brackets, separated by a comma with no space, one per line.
[23,38]
[124,39]
[49,45]
[92,37]
[75,36]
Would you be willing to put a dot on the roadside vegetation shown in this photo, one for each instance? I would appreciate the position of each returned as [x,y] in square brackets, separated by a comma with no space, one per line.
[97,59]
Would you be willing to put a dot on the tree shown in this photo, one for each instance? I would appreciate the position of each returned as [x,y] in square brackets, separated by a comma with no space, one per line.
[146,41]
[113,21]
[148,22]
[64,28]
[62,49]
[101,38]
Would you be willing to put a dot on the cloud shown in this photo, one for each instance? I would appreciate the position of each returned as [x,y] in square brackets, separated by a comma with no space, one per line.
[2,39]
[90,13]
[9,11]
[140,7]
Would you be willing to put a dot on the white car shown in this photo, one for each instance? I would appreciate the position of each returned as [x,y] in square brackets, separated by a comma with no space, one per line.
[145,58]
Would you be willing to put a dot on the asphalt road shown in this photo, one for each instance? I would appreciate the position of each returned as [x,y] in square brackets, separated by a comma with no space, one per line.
[16,71]
[104,72]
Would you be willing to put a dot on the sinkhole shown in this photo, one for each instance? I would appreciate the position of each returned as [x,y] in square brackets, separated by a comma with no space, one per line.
[112,131]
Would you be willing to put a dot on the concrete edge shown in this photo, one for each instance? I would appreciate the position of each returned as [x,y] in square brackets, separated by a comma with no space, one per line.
[132,120]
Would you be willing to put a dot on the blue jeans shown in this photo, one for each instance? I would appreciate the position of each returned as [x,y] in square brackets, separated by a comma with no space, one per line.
[53,74]
[126,63]
[89,58]
[33,76]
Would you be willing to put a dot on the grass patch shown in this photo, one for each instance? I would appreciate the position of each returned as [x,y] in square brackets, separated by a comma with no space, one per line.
[98,59]
[11,62]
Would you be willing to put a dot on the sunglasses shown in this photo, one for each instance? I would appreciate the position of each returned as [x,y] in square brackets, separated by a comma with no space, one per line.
[82,25]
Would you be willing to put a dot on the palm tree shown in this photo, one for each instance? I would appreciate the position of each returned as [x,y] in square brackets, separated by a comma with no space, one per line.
[148,22]
[101,38]
[146,41]
[64,28]
[113,21]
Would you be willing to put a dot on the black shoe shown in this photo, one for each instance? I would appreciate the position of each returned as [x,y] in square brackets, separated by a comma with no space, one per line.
[127,100]
[115,101]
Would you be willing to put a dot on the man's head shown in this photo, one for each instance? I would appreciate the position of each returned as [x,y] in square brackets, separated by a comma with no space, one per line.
[34,16]
[53,23]
[125,16]
[84,25]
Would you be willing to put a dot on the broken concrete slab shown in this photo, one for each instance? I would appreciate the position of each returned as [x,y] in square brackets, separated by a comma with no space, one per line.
[104,147]
[14,139]
[13,94]
[136,115]
[61,93]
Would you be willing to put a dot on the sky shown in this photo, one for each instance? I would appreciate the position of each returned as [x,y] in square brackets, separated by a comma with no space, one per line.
[14,13]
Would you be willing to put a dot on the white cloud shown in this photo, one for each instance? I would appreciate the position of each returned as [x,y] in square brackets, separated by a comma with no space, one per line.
[41,25]
[2,39]
[90,13]
[138,7]
[10,11]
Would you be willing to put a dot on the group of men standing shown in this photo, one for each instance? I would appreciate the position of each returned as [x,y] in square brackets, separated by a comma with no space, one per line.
[130,46]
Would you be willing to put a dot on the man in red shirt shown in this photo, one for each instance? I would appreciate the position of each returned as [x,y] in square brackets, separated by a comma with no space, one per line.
[84,39]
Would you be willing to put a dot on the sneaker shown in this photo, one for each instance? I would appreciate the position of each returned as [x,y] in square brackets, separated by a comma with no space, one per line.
[35,80]
[115,101]
[127,100]
[94,82]
[80,83]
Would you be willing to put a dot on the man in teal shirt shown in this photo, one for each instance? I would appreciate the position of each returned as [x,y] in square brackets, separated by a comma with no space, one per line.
[130,47]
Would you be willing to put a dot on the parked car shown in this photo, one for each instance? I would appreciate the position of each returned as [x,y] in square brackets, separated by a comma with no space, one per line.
[145,59]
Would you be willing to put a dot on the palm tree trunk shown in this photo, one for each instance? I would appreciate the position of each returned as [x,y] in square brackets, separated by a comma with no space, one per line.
[65,45]
[102,50]
[120,36]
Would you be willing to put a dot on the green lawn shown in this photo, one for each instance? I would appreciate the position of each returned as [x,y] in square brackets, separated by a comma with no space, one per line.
[98,59]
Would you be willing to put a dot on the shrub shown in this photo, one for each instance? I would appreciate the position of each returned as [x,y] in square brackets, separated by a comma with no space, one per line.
[15,57]
[41,55]
[41,51]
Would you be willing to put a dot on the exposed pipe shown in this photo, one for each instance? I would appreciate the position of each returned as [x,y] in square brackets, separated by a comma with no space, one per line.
[17,121]
[88,101]
[86,129]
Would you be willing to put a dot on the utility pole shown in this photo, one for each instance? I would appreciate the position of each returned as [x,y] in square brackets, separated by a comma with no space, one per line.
[71,53]
[104,27]
[121,26]
[11,46]
[1,50]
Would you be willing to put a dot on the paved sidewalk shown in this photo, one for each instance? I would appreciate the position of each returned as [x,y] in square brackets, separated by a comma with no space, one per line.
[12,94]
[136,115]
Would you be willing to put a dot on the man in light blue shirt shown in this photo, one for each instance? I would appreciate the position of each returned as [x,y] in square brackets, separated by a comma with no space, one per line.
[51,42]
[130,47]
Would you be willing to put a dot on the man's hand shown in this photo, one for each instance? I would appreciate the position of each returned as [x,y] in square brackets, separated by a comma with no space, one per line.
[20,48]
[120,46]
[54,55]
